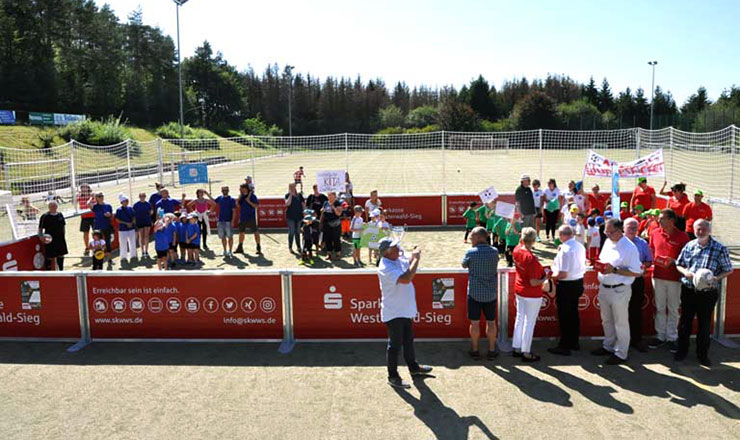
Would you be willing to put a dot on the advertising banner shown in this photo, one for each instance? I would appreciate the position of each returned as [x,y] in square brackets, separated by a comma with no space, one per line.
[7,117]
[189,173]
[732,305]
[348,306]
[41,118]
[413,210]
[588,306]
[39,307]
[647,166]
[65,118]
[185,307]
[271,213]
[23,254]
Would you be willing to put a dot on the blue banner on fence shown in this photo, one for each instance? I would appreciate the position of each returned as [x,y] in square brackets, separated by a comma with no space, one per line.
[192,173]
[7,117]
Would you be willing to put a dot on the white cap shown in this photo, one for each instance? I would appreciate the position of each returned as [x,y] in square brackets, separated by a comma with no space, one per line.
[122,197]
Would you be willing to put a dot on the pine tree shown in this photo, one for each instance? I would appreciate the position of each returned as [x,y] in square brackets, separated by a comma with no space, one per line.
[605,98]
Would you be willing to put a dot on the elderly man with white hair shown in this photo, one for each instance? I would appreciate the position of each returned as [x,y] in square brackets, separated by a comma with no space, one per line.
[621,265]
[568,268]
[703,262]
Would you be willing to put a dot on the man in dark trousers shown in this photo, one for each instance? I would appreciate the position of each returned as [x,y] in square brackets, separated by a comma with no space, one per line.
[525,202]
[398,307]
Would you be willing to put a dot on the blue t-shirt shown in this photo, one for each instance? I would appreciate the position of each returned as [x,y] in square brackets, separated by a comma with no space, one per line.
[193,228]
[125,215]
[154,198]
[168,205]
[143,214]
[246,211]
[226,207]
[101,221]
[181,231]
[171,229]
[162,239]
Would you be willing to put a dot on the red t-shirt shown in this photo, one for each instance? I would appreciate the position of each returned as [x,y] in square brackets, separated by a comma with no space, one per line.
[528,268]
[664,245]
[598,202]
[82,203]
[694,212]
[623,215]
[643,197]
[678,205]
[652,227]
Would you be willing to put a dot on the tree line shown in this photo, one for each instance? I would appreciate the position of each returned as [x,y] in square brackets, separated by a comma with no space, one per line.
[71,56]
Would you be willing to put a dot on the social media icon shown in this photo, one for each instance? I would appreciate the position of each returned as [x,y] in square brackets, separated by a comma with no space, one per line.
[229,305]
[248,304]
[210,304]
[267,305]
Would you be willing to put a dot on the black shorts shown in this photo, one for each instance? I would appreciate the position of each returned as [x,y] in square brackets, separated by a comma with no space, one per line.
[173,247]
[86,223]
[250,225]
[538,214]
[475,308]
[162,254]
[192,246]
[184,245]
[108,237]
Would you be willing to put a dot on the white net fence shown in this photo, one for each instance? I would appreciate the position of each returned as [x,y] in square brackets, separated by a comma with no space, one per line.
[437,163]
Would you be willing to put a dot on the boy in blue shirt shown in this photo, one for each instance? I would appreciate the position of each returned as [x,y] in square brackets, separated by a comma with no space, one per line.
[103,215]
[226,217]
[162,241]
[181,225]
[171,231]
[143,211]
[192,232]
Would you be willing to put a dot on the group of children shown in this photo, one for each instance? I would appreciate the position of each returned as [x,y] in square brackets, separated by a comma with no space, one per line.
[172,232]
[502,232]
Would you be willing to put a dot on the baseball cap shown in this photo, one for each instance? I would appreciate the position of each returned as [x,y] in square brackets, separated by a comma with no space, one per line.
[624,205]
[640,207]
[579,185]
[608,214]
[375,212]
[641,179]
[192,215]
[524,177]
[574,208]
[698,192]
[385,244]
[600,220]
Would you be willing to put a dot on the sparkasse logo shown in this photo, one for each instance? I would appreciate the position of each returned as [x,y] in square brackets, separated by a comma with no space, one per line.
[332,300]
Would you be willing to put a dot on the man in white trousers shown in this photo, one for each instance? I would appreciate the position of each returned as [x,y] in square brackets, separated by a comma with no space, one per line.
[621,265]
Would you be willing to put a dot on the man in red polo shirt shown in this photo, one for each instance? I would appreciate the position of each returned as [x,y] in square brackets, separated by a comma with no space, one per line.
[643,195]
[666,244]
[696,210]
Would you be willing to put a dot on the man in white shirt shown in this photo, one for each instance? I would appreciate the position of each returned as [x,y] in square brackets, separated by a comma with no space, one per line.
[398,307]
[621,265]
[568,268]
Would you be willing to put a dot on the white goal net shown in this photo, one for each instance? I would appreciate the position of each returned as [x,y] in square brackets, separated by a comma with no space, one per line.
[489,145]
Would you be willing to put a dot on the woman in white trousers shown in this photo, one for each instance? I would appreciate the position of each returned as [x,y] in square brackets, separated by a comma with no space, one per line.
[126,218]
[528,286]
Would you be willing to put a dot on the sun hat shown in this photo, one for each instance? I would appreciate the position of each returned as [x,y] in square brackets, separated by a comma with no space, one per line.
[525,177]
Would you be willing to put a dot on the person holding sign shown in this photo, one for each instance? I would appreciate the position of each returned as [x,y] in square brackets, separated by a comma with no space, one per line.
[332,226]
[398,307]
[620,265]
[481,260]
[665,244]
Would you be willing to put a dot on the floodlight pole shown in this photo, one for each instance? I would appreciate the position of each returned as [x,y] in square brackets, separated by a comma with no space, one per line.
[179,3]
[652,93]
[289,69]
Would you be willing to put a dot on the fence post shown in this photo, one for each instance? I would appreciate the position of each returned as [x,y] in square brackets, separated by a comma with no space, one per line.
[541,153]
[637,142]
[160,165]
[288,339]
[444,166]
[128,167]
[72,177]
[733,147]
[346,152]
[251,154]
[84,314]
[503,311]
[670,142]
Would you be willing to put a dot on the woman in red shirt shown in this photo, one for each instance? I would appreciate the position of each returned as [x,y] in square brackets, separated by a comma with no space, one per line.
[87,219]
[695,211]
[597,200]
[677,202]
[643,195]
[528,289]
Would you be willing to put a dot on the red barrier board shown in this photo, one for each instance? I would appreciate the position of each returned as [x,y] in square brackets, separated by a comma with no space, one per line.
[24,254]
[412,210]
[271,213]
[348,306]
[589,312]
[185,307]
[39,307]
[732,304]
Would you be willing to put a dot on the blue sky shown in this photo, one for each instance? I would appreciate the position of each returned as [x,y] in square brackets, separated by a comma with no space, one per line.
[444,42]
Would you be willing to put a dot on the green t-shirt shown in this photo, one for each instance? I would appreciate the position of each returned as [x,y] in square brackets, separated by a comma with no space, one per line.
[491,222]
[483,212]
[512,234]
[553,205]
[469,216]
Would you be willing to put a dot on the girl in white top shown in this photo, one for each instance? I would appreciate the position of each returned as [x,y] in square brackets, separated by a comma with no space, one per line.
[553,200]
[373,219]
[372,203]
[537,194]
[356,227]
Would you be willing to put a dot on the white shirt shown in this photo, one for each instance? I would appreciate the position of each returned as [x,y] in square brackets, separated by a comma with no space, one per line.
[580,233]
[383,225]
[593,232]
[537,198]
[571,258]
[580,201]
[397,300]
[356,223]
[370,206]
[621,255]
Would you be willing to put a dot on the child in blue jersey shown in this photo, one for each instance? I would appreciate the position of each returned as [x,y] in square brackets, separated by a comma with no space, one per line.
[143,213]
[162,241]
[182,221]
[171,229]
[192,234]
